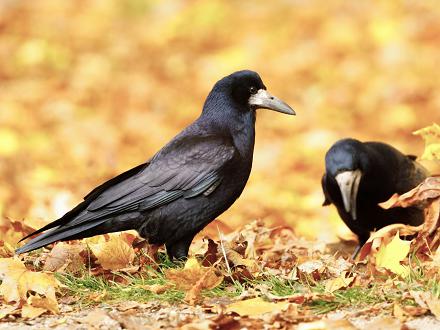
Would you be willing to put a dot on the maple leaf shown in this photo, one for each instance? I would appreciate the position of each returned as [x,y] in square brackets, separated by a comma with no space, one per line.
[17,281]
[255,306]
[431,135]
[114,254]
[390,255]
[193,278]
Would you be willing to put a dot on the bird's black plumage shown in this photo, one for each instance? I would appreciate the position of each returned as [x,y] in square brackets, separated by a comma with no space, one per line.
[187,184]
[359,175]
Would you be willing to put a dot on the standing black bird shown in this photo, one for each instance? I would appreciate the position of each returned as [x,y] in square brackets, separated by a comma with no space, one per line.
[187,184]
[360,175]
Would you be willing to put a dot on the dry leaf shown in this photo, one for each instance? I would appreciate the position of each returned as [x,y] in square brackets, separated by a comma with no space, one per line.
[114,254]
[157,288]
[433,305]
[255,306]
[340,282]
[194,278]
[431,135]
[6,310]
[18,281]
[209,280]
[44,302]
[31,312]
[390,255]
[65,256]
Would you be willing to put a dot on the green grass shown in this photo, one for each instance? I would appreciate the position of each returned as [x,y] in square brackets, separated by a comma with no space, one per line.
[85,285]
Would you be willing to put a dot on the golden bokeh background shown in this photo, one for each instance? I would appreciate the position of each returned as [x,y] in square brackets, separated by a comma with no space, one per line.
[91,88]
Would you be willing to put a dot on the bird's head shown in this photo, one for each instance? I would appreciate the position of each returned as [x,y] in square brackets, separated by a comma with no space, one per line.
[345,162]
[247,92]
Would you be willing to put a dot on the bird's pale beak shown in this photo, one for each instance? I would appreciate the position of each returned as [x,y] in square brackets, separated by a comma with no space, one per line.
[348,183]
[264,100]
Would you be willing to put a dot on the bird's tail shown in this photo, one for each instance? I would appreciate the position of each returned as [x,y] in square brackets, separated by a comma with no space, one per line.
[63,233]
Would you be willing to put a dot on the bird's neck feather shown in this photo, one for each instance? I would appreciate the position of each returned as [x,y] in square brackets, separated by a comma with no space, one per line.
[221,115]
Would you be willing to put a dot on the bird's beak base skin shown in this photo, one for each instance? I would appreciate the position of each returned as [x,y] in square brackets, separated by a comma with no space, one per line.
[348,183]
[264,100]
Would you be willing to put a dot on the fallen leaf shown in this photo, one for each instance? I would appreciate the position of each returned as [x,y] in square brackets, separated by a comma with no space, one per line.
[433,305]
[114,254]
[340,282]
[390,255]
[209,280]
[17,281]
[65,256]
[157,288]
[431,135]
[43,302]
[255,306]
[31,312]
[194,278]
[6,310]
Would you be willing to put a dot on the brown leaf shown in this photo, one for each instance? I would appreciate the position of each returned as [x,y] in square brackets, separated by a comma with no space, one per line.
[157,288]
[194,278]
[114,254]
[428,189]
[65,256]
[209,280]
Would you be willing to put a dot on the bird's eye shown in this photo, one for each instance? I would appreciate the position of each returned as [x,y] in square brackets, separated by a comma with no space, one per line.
[253,90]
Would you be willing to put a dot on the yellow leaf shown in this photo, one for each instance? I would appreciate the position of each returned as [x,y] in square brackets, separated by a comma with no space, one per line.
[255,306]
[192,264]
[194,278]
[31,312]
[431,135]
[18,281]
[389,256]
[434,305]
[338,283]
[114,254]
[44,302]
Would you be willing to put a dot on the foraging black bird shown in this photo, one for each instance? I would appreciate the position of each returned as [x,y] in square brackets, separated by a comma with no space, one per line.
[359,175]
[187,184]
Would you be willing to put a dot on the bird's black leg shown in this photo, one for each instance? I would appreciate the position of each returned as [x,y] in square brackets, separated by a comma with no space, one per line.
[179,250]
[362,240]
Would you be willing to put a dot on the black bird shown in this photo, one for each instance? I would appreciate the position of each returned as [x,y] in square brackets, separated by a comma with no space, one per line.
[359,175]
[187,184]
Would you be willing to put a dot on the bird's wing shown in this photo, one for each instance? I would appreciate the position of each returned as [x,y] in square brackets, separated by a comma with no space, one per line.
[185,168]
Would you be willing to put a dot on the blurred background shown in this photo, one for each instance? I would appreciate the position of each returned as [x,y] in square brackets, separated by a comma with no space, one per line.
[91,88]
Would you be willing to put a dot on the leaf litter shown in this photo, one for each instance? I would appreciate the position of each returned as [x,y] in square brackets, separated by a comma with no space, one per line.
[249,277]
